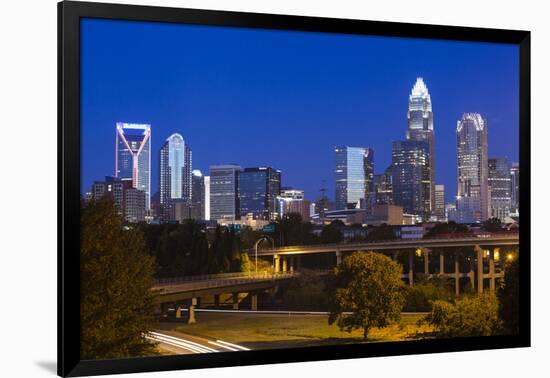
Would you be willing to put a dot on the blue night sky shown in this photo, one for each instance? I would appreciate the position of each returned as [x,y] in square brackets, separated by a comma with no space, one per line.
[285,99]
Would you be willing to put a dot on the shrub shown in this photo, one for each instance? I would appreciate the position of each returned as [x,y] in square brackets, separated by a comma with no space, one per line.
[468,316]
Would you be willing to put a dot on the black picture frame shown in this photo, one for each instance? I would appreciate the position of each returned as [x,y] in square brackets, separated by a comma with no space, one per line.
[69,15]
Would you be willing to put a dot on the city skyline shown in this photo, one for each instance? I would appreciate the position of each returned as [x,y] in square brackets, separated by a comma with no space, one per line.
[319,162]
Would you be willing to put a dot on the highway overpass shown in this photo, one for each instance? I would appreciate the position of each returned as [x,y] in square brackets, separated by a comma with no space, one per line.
[484,251]
[189,290]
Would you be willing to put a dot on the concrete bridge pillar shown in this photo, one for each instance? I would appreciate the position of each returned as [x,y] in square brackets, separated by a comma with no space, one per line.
[492,268]
[254,302]
[192,319]
[276,263]
[471,274]
[338,257]
[284,258]
[479,254]
[235,299]
[426,253]
[457,274]
[291,263]
[441,263]
[411,267]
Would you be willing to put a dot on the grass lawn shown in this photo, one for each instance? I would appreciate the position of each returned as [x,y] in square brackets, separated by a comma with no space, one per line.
[272,331]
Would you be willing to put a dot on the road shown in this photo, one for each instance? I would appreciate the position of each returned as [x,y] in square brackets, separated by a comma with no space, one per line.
[178,343]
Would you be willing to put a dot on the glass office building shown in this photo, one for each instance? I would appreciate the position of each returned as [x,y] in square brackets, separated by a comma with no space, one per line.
[472,200]
[224,200]
[133,156]
[354,176]
[421,128]
[500,188]
[411,177]
[439,200]
[258,191]
[174,169]
[198,194]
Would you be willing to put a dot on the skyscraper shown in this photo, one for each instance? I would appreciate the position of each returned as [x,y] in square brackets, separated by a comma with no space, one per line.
[411,177]
[206,197]
[129,202]
[439,209]
[500,188]
[258,191]
[472,200]
[224,200]
[133,156]
[514,187]
[383,187]
[354,177]
[421,128]
[198,195]
[174,170]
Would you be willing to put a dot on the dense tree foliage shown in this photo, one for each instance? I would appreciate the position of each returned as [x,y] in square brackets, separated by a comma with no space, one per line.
[381,233]
[187,249]
[508,296]
[492,224]
[331,233]
[424,292]
[292,230]
[306,292]
[116,304]
[447,228]
[475,315]
[369,287]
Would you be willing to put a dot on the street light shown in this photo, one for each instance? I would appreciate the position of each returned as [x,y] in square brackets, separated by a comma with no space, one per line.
[263,237]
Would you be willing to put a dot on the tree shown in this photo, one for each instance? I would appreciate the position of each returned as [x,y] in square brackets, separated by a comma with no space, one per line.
[508,296]
[492,224]
[292,230]
[475,315]
[331,233]
[426,290]
[369,286]
[381,233]
[116,275]
[447,228]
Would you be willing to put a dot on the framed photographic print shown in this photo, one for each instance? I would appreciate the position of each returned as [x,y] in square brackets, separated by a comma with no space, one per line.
[239,188]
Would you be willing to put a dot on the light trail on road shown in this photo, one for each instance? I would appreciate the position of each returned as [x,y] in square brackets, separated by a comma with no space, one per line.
[192,346]
[232,345]
[182,343]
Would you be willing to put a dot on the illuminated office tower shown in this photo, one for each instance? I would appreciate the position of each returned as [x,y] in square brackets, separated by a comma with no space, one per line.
[258,190]
[500,188]
[354,175]
[421,128]
[514,187]
[174,170]
[472,200]
[383,187]
[411,177]
[224,200]
[206,197]
[198,194]
[129,202]
[291,201]
[133,156]
[439,209]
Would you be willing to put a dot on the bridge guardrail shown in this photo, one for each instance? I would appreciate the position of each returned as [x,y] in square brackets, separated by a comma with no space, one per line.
[245,276]
[395,242]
